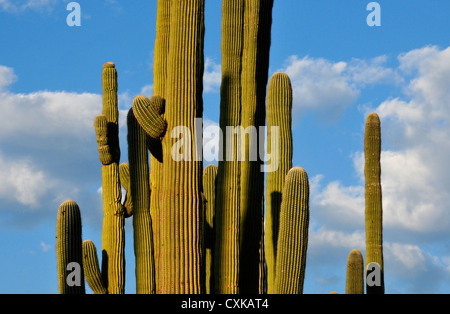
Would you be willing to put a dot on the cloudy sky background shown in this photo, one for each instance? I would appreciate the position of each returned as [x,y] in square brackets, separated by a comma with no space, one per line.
[341,69]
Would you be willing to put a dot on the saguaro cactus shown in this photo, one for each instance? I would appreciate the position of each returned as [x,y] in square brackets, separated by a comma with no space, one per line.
[180,255]
[355,273]
[69,247]
[374,210]
[279,115]
[140,193]
[227,209]
[293,234]
[209,191]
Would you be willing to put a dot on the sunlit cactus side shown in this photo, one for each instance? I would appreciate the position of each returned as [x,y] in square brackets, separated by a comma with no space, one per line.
[69,248]
[373,198]
[161,53]
[279,115]
[209,192]
[293,234]
[140,193]
[257,39]
[92,268]
[181,208]
[355,273]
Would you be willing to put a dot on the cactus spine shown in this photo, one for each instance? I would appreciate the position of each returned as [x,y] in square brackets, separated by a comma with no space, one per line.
[279,111]
[355,273]
[293,234]
[69,246]
[209,191]
[374,210]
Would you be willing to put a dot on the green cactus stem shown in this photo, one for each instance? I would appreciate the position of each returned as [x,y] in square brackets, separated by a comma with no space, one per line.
[113,234]
[293,234]
[181,209]
[373,197]
[227,212]
[92,269]
[279,114]
[140,193]
[355,273]
[209,191]
[257,38]
[69,247]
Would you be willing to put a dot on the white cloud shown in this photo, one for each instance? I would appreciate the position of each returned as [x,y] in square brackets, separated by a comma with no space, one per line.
[14,6]
[22,181]
[45,247]
[44,113]
[7,77]
[212,76]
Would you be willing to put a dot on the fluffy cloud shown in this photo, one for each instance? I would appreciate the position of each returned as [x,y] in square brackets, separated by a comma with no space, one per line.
[39,5]
[328,88]
[212,76]
[416,147]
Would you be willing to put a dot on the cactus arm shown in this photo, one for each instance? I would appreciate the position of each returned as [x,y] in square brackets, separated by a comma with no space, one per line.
[293,234]
[140,193]
[92,269]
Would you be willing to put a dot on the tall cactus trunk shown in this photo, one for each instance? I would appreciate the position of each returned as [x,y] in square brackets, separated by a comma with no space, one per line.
[159,88]
[113,234]
[279,117]
[180,256]
[374,209]
[140,194]
[227,213]
[257,37]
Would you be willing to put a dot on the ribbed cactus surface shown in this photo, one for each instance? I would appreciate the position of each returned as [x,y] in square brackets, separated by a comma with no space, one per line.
[181,256]
[355,273]
[373,197]
[69,246]
[293,234]
[209,192]
[140,193]
[113,233]
[279,120]
[92,269]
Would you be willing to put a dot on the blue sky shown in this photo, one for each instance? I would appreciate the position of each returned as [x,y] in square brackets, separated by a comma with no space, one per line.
[341,69]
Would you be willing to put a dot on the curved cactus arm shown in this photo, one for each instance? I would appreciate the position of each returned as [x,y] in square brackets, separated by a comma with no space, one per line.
[92,269]
[101,130]
[148,117]
[140,193]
